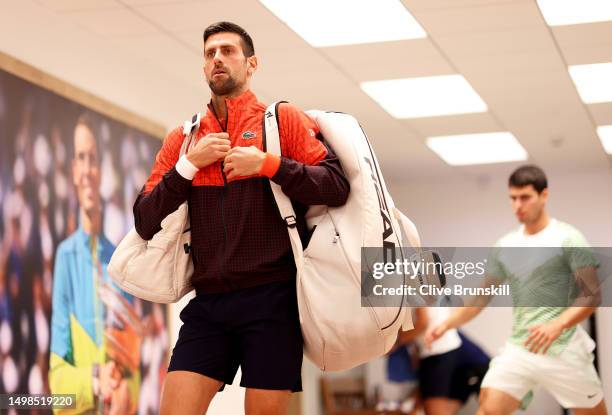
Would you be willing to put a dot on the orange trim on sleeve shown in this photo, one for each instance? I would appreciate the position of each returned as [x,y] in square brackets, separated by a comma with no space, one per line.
[270,165]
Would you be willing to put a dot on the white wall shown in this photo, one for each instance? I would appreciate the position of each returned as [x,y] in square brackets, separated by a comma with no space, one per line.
[475,212]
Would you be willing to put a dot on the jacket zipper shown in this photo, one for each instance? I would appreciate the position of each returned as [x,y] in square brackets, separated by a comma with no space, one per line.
[221,271]
[224,129]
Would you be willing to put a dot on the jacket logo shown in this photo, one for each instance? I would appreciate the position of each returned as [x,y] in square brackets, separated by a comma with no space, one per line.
[248,134]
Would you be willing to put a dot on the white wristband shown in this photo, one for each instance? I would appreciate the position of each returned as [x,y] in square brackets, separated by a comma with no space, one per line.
[186,168]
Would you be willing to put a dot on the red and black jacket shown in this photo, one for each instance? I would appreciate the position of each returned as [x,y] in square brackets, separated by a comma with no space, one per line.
[238,238]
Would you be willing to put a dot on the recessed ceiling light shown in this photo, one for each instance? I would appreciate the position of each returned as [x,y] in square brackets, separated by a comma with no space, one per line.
[485,148]
[346,22]
[593,81]
[605,135]
[567,12]
[425,97]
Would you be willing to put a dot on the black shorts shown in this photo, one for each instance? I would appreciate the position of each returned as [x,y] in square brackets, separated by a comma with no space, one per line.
[448,375]
[255,328]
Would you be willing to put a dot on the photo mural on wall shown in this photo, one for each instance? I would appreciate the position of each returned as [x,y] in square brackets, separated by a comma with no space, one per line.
[68,179]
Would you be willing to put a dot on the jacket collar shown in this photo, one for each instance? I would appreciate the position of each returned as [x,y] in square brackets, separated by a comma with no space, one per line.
[234,105]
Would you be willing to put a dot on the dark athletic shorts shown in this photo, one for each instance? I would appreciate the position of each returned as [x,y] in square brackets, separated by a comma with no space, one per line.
[451,375]
[255,328]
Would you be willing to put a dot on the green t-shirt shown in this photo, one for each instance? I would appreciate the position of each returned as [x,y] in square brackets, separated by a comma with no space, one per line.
[540,271]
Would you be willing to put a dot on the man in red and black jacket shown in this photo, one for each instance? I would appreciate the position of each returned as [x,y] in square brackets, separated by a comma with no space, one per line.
[245,311]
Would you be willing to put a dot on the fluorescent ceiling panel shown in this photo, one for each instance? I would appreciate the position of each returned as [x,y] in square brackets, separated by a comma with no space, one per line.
[593,81]
[605,135]
[568,12]
[346,22]
[425,97]
[485,148]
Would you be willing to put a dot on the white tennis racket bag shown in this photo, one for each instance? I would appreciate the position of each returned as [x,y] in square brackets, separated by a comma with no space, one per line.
[339,333]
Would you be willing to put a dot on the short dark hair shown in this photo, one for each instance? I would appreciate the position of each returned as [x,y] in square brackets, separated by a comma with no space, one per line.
[529,175]
[88,120]
[221,27]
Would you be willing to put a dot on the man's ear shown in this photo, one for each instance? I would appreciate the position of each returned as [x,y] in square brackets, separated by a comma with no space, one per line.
[544,194]
[252,64]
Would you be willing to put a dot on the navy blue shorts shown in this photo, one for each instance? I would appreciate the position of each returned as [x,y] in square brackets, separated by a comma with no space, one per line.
[256,328]
[456,374]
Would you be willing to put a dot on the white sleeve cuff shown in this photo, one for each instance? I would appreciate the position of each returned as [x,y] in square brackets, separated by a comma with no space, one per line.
[186,168]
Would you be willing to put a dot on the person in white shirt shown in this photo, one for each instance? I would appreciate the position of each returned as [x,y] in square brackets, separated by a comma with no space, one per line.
[451,368]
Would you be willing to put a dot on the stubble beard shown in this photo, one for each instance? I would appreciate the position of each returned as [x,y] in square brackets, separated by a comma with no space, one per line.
[223,88]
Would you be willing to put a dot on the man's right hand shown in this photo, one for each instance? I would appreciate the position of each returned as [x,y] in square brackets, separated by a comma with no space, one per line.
[109,376]
[212,147]
[435,333]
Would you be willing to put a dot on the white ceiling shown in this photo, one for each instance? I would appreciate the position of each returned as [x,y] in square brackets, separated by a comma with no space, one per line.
[145,55]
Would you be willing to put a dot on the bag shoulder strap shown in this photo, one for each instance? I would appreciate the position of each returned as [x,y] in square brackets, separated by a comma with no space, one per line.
[193,125]
[190,129]
[271,144]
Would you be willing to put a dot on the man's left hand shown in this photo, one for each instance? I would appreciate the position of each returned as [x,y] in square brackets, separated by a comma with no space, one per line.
[243,161]
[541,336]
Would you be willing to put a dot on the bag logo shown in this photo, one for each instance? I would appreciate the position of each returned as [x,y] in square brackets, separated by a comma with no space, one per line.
[248,134]
[388,246]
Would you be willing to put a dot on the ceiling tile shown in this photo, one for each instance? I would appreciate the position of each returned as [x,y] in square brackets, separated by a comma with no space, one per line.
[171,55]
[72,5]
[490,18]
[390,60]
[452,125]
[197,15]
[498,67]
[453,4]
[602,113]
[113,22]
[556,82]
[499,42]
[594,53]
[192,39]
[583,34]
[149,2]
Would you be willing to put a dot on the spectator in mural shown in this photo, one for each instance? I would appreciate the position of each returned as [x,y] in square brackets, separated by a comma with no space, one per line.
[95,334]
